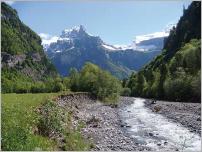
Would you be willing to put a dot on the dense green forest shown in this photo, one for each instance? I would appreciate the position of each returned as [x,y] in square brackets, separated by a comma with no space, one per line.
[25,67]
[176,73]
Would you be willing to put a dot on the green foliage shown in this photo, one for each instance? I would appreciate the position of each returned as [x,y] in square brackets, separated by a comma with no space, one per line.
[17,38]
[178,89]
[15,81]
[96,81]
[52,119]
[196,86]
[56,121]
[178,79]
[175,74]
[28,75]
[19,121]
[74,79]
[125,92]
[74,141]
[29,120]
[188,27]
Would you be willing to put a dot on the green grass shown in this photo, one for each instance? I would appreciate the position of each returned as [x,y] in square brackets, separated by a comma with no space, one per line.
[24,128]
[19,120]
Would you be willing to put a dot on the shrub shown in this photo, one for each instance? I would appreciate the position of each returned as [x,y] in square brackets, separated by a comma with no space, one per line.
[52,119]
[178,89]
[125,92]
[55,122]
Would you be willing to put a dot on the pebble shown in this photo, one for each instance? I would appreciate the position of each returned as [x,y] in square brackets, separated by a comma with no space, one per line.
[198,119]
[165,143]
[151,134]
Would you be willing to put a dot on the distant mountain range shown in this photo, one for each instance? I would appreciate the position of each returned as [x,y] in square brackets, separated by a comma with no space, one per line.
[75,46]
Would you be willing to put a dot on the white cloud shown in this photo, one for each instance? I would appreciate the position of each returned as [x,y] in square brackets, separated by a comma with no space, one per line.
[47,38]
[9,2]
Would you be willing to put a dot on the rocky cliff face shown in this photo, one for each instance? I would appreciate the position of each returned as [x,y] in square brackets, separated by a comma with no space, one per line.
[75,46]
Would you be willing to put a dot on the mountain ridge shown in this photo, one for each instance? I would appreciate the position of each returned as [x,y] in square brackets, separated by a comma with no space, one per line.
[75,46]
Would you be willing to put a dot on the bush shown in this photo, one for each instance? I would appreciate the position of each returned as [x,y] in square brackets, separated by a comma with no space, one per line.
[55,122]
[51,120]
[125,92]
[178,89]
[196,86]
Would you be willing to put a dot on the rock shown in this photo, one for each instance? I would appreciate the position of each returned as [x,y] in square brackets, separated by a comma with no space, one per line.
[122,125]
[113,105]
[94,125]
[198,119]
[157,108]
[153,102]
[165,143]
[151,134]
[158,144]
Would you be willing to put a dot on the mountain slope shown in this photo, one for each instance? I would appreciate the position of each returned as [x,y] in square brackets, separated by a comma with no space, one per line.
[75,46]
[175,74]
[23,59]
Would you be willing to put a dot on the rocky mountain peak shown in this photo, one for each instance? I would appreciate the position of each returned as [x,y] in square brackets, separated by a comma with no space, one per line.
[75,32]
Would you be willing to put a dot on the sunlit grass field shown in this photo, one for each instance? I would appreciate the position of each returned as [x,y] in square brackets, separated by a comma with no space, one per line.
[19,119]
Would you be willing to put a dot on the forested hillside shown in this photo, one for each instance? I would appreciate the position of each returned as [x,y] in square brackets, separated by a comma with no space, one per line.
[176,73]
[25,67]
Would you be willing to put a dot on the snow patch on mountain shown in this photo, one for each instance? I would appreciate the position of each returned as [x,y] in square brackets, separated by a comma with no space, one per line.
[69,35]
[109,47]
[136,44]
[47,39]
[141,38]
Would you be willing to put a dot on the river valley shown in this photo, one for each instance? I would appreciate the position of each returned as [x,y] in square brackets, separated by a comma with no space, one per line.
[131,125]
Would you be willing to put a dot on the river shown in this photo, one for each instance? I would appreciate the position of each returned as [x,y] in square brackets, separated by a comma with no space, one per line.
[156,131]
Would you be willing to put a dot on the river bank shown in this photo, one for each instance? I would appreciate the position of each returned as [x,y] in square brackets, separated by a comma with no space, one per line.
[187,114]
[103,125]
[128,126]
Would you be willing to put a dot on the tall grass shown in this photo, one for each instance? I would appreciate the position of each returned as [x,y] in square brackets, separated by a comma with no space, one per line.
[19,121]
[34,122]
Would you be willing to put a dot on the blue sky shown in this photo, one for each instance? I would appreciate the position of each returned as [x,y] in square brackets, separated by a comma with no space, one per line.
[115,22]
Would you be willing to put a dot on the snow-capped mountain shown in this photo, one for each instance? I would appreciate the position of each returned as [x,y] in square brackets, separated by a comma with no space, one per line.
[147,42]
[76,46]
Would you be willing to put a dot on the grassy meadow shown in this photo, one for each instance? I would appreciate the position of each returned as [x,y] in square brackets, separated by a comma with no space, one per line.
[19,119]
[25,128]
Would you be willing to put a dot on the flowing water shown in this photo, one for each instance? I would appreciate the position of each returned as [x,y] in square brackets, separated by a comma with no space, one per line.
[157,132]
